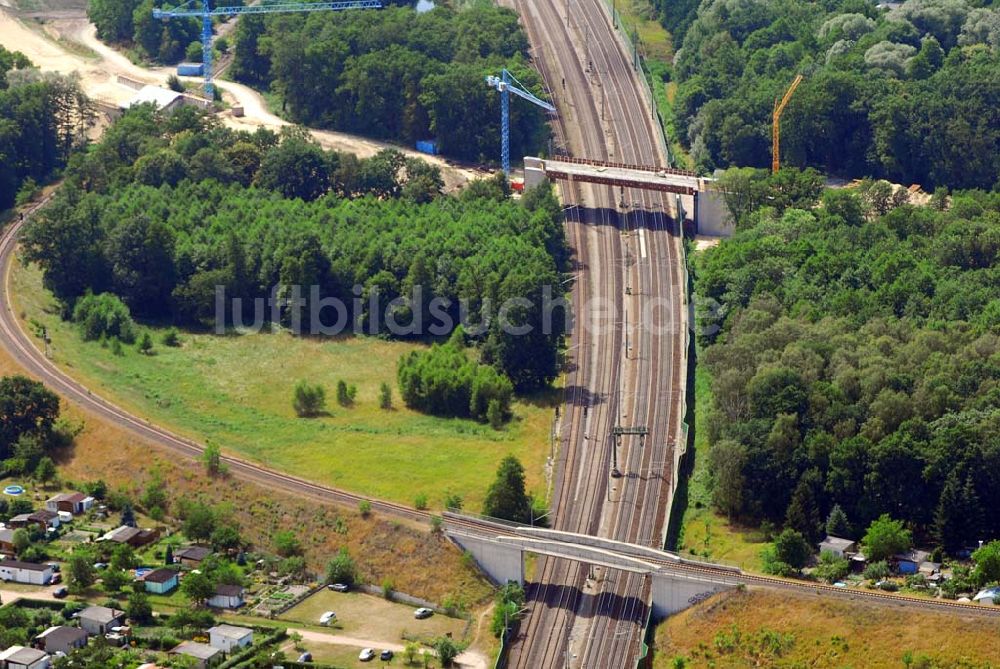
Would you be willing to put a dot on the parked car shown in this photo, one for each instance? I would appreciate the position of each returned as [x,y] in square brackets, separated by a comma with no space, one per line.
[339,587]
[385,655]
[56,578]
[366,655]
[423,612]
[306,657]
[59,593]
[327,617]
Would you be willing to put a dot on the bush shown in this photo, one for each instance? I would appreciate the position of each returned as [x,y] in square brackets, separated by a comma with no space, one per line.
[145,344]
[175,84]
[495,414]
[509,600]
[792,548]
[308,400]
[104,315]
[452,501]
[385,396]
[876,571]
[346,393]
[341,569]
[27,192]
[171,338]
[193,53]
[139,608]
[191,618]
[420,502]
[287,544]
[364,508]
[447,650]
[831,568]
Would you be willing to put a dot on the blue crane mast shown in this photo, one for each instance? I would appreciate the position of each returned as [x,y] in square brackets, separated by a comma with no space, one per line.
[205,13]
[506,83]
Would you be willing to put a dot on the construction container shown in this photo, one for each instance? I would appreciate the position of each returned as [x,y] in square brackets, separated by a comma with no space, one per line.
[427,146]
[190,69]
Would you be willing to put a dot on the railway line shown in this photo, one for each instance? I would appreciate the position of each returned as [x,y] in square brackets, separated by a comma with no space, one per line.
[574,620]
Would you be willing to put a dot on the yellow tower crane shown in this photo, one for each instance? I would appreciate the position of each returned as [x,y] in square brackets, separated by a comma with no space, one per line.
[779,106]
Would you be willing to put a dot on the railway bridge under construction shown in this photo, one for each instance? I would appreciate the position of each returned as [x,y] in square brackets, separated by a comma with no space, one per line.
[674,583]
[706,209]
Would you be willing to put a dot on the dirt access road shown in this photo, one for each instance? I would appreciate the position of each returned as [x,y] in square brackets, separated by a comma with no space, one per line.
[69,45]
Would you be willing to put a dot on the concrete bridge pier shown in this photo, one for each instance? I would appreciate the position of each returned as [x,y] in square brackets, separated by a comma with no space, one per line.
[672,595]
[501,562]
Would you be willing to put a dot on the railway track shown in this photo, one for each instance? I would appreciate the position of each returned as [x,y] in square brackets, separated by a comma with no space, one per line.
[562,598]
[639,517]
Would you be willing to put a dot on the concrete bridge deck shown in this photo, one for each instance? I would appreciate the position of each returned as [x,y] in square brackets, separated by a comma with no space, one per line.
[662,179]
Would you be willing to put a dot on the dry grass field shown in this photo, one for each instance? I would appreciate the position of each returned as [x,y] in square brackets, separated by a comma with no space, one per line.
[767,628]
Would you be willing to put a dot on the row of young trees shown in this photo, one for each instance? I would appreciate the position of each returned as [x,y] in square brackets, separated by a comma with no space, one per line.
[396,73]
[164,246]
[909,94]
[855,363]
[42,120]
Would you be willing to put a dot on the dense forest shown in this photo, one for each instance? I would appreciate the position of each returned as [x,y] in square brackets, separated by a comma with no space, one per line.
[396,73]
[164,209]
[854,352]
[42,119]
[131,23]
[910,94]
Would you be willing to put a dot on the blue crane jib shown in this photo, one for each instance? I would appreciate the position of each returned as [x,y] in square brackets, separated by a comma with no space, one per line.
[205,12]
[506,83]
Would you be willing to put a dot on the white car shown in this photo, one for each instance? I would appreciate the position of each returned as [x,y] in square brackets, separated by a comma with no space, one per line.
[367,655]
[423,612]
[327,617]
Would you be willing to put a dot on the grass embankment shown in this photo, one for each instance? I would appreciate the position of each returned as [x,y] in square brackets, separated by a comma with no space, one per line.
[236,391]
[664,91]
[705,533]
[783,629]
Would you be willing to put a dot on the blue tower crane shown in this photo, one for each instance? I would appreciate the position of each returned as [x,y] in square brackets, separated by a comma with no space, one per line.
[506,83]
[205,13]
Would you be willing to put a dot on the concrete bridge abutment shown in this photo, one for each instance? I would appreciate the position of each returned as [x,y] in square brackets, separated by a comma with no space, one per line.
[501,562]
